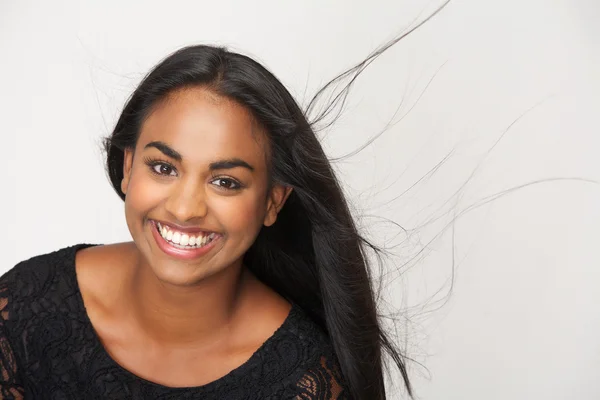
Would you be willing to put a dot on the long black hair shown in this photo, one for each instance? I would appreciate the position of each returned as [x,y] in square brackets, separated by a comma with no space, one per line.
[314,254]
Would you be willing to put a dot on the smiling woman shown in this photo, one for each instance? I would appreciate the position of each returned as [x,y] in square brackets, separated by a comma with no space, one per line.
[246,276]
[196,185]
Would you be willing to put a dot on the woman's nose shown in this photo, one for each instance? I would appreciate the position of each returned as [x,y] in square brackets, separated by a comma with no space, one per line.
[187,201]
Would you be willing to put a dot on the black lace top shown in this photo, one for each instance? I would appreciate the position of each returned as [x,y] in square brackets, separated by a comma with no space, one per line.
[50,350]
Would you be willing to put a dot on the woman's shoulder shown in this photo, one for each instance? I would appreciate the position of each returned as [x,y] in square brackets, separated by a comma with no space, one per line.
[301,329]
[53,280]
[38,284]
[33,273]
[302,343]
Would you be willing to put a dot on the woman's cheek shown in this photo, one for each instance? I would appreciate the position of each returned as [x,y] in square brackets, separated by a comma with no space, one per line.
[145,191]
[240,215]
[143,195]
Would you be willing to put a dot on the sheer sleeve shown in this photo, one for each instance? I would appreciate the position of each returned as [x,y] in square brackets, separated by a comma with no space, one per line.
[322,382]
[10,386]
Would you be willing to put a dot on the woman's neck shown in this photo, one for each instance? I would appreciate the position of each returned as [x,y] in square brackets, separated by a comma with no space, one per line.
[180,315]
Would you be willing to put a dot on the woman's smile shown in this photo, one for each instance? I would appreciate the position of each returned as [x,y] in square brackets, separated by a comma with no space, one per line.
[183,243]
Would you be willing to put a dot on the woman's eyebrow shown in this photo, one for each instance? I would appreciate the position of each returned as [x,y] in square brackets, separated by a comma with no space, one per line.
[229,164]
[216,165]
[165,149]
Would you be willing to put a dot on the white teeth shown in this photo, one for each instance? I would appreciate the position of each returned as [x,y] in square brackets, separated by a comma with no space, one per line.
[185,239]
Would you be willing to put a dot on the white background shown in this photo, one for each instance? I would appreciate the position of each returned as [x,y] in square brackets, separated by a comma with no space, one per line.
[522,320]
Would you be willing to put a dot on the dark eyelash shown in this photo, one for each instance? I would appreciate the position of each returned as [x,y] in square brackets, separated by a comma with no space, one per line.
[230,179]
[153,162]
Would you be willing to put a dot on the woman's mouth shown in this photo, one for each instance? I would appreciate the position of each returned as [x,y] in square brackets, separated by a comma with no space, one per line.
[184,245]
[183,240]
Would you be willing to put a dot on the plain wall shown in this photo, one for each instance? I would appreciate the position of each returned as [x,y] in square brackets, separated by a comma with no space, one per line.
[522,320]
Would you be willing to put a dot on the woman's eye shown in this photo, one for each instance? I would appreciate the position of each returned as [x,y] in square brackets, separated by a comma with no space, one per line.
[226,183]
[163,169]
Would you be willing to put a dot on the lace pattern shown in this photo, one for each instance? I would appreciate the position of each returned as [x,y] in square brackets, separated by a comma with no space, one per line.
[10,384]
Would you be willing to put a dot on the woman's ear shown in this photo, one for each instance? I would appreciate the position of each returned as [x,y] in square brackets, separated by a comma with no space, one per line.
[127,163]
[277,197]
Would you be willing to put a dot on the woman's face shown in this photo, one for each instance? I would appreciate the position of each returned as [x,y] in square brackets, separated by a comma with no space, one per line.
[196,186]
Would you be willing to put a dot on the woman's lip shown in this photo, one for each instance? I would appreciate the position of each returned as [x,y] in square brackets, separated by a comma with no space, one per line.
[179,228]
[184,254]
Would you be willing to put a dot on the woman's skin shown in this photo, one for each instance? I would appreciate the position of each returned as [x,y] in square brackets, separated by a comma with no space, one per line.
[187,322]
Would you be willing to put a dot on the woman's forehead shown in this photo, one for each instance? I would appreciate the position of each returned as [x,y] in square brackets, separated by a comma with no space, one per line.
[202,125]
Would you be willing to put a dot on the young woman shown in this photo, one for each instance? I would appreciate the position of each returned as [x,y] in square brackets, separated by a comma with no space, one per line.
[246,277]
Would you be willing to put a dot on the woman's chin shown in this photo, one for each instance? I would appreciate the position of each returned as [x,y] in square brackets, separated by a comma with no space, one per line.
[180,274]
